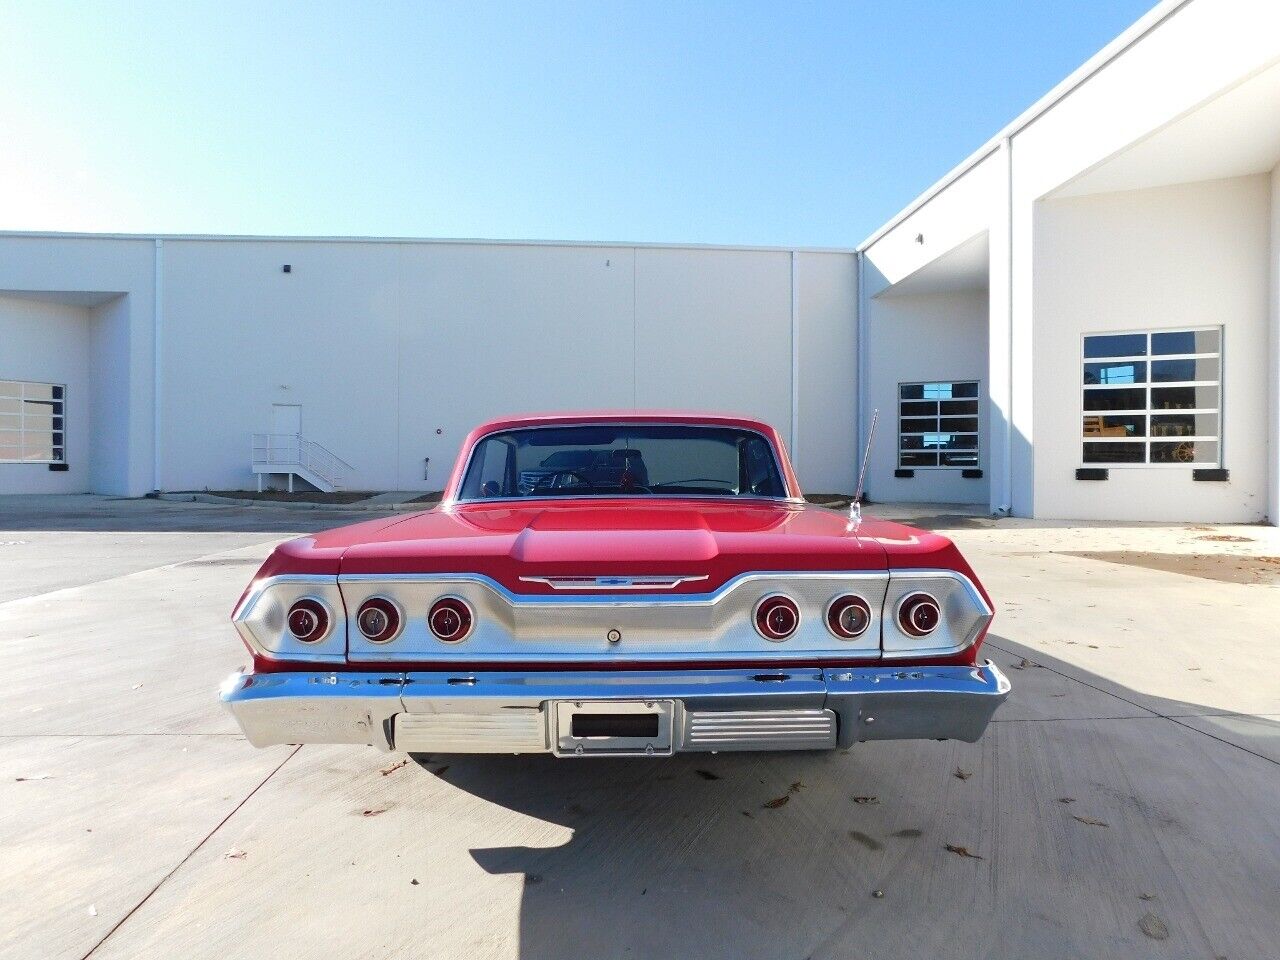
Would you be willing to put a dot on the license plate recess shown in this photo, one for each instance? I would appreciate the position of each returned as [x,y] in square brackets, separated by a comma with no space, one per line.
[613,728]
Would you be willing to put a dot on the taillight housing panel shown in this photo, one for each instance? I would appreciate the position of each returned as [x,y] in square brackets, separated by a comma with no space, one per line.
[931,613]
[293,617]
[848,616]
[776,617]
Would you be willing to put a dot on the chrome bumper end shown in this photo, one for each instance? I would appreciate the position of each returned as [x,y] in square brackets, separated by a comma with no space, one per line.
[712,710]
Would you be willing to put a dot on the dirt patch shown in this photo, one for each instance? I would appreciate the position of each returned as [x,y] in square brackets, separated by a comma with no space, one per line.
[433,497]
[1223,567]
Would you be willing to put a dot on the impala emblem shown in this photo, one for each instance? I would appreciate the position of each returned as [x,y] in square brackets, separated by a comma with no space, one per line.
[615,583]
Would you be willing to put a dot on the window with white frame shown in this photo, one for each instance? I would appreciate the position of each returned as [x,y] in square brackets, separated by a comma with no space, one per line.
[1153,398]
[938,425]
[32,422]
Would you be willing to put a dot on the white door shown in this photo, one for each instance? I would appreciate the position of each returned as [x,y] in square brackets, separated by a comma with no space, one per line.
[286,418]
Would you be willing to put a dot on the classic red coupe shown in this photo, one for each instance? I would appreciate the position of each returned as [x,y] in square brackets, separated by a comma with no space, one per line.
[616,584]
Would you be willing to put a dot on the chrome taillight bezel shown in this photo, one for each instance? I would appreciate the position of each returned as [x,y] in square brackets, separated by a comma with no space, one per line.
[318,611]
[915,606]
[760,617]
[393,612]
[836,607]
[461,608]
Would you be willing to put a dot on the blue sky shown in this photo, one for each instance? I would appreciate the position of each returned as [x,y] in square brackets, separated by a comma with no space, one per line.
[756,123]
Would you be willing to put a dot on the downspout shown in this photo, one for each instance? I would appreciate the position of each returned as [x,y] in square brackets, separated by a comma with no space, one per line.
[1007,480]
[157,312]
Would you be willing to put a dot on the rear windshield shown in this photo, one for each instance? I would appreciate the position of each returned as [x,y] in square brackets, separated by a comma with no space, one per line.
[622,460]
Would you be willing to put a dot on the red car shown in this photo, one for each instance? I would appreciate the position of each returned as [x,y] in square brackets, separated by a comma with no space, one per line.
[674,594]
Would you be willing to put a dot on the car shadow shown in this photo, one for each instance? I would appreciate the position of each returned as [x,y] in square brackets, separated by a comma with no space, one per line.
[813,854]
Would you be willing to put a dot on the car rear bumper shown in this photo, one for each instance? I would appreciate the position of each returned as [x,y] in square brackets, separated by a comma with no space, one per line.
[702,710]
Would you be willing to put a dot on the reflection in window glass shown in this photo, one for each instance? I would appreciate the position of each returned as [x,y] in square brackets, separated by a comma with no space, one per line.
[1134,424]
[938,424]
[1116,345]
[31,422]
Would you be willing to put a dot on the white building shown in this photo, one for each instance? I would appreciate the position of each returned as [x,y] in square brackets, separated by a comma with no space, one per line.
[1082,320]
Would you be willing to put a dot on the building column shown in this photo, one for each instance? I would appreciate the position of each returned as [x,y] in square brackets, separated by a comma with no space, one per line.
[999,343]
[1273,359]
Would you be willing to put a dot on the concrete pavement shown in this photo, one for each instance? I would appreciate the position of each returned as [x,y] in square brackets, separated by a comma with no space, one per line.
[1123,804]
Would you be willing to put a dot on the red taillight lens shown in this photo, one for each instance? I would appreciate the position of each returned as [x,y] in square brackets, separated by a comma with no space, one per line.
[777,617]
[308,620]
[450,619]
[378,620]
[919,614]
[848,617]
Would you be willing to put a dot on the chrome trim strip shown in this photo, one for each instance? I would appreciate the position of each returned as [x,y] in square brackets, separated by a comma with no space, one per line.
[635,582]
[623,600]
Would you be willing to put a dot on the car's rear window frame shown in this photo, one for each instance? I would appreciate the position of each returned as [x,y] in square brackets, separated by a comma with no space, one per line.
[769,442]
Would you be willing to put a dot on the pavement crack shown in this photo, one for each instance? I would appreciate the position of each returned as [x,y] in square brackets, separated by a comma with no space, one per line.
[191,853]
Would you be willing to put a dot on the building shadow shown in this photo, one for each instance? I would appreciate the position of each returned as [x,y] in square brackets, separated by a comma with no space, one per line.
[781,855]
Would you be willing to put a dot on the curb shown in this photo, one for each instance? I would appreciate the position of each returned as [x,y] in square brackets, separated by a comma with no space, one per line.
[358,506]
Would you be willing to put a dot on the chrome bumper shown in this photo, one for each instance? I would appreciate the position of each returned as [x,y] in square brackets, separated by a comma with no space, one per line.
[711,710]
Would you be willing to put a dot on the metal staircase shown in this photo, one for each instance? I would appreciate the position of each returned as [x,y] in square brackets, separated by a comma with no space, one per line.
[291,455]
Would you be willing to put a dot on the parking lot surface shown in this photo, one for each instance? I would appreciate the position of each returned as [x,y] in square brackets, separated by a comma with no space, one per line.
[1122,804]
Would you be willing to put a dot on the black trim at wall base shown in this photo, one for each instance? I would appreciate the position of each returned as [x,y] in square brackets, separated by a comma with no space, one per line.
[904,474]
[59,467]
[1217,475]
[971,474]
[1092,473]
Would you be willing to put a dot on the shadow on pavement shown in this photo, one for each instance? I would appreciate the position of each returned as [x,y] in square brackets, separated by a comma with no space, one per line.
[1082,825]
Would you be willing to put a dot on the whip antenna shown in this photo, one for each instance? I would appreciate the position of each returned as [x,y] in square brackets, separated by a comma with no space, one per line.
[855,506]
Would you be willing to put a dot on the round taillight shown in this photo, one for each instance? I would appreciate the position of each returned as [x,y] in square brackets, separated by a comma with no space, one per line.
[378,620]
[848,617]
[777,617]
[450,619]
[919,614]
[308,620]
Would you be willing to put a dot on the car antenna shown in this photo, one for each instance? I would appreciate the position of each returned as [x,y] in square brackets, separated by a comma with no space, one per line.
[855,505]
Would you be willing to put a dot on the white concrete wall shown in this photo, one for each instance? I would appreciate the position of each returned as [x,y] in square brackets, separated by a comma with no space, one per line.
[919,339]
[384,344]
[1191,255]
[117,276]
[49,343]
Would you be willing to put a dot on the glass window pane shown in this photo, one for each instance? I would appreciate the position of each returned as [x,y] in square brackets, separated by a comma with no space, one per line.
[911,391]
[1115,453]
[960,424]
[919,408]
[969,407]
[1166,371]
[912,442]
[37,391]
[1184,425]
[36,448]
[10,405]
[1188,341]
[1127,425]
[9,421]
[918,459]
[57,392]
[968,389]
[1121,399]
[1125,371]
[1185,451]
[950,441]
[952,458]
[1184,398]
[1116,345]
[937,391]
[10,388]
[58,454]
[918,425]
